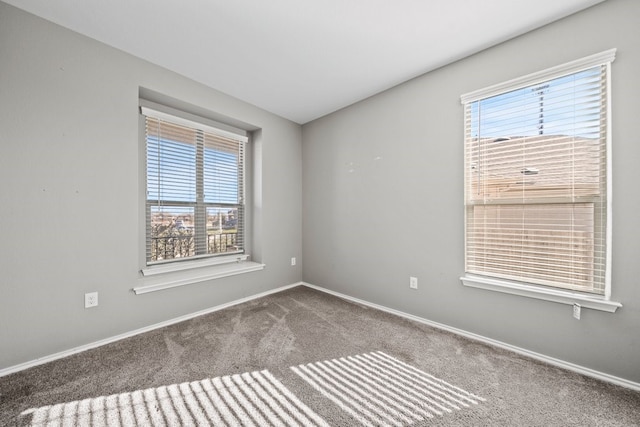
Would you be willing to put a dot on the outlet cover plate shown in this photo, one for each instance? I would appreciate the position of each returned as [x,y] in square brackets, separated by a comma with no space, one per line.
[576,310]
[90,299]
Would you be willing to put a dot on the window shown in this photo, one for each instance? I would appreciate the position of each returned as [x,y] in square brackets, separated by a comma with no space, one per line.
[195,204]
[536,179]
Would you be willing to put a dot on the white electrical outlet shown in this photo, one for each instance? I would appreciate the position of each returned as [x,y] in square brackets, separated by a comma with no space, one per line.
[576,311]
[413,282]
[293,261]
[90,299]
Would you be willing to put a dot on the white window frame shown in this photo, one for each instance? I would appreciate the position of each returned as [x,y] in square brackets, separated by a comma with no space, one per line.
[597,302]
[157,276]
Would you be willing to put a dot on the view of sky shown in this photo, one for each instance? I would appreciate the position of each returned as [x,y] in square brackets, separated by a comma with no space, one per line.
[562,106]
[171,173]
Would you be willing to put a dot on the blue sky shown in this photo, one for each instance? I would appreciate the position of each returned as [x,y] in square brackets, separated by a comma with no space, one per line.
[566,105]
[171,173]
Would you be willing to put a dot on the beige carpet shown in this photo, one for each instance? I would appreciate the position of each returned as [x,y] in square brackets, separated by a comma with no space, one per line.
[301,357]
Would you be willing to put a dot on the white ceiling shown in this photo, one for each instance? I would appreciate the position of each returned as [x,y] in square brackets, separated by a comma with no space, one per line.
[302,59]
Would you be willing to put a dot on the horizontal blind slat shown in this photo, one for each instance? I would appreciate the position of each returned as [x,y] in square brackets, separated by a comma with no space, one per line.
[526,151]
[194,191]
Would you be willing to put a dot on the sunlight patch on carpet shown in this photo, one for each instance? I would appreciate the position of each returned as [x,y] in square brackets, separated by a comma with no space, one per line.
[377,389]
[249,399]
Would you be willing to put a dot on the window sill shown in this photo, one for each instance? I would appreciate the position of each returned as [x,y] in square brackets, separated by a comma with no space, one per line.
[547,294]
[171,267]
[188,273]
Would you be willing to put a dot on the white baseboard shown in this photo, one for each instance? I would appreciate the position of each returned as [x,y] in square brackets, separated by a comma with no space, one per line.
[65,353]
[538,356]
[541,357]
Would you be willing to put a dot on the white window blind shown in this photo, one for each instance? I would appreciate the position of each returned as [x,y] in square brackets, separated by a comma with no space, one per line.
[195,189]
[536,186]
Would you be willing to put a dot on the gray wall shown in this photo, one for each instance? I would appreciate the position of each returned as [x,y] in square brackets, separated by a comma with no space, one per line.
[383,198]
[69,211]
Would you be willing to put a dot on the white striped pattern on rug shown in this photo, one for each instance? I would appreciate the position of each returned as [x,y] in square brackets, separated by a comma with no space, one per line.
[379,390]
[249,399]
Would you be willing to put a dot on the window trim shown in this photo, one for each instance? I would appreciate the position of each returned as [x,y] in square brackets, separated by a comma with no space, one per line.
[608,56]
[188,264]
[157,276]
[200,125]
[200,273]
[540,292]
[597,302]
[184,118]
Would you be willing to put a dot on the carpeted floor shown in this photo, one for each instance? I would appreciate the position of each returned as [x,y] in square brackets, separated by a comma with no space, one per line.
[302,357]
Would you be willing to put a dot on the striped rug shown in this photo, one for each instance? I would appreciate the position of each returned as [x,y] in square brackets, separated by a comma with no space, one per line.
[249,399]
[379,390]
